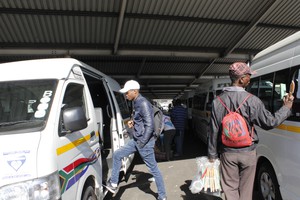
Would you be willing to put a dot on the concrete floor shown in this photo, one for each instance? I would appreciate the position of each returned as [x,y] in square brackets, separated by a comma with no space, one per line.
[177,174]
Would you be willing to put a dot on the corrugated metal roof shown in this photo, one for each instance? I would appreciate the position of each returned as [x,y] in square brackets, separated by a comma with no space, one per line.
[170,46]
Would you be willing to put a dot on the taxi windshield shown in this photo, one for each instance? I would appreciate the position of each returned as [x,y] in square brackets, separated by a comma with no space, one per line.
[25,104]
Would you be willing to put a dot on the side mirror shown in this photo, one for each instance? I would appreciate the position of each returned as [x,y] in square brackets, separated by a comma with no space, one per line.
[74,119]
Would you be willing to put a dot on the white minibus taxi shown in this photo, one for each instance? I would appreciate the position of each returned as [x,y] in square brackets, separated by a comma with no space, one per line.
[278,158]
[201,105]
[60,122]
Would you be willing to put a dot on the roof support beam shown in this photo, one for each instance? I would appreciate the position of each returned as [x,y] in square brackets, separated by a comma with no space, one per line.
[169,86]
[157,77]
[264,12]
[199,75]
[141,68]
[247,32]
[120,25]
[82,52]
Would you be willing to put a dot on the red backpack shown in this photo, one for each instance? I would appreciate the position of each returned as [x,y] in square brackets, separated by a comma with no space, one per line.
[235,131]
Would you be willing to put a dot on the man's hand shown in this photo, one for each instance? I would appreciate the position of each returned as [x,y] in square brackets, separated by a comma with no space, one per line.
[130,123]
[288,100]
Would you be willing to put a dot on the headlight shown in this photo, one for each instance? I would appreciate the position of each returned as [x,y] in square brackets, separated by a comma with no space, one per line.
[37,189]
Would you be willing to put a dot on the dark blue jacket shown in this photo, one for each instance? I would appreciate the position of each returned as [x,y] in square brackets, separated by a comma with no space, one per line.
[143,120]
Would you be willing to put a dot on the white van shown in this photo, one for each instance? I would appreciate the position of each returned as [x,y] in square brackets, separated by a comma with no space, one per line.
[60,122]
[201,105]
[278,160]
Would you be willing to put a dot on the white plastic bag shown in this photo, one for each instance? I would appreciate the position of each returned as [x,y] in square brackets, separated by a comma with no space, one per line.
[207,179]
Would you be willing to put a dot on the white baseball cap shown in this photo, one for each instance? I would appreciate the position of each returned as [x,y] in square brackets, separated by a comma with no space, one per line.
[130,85]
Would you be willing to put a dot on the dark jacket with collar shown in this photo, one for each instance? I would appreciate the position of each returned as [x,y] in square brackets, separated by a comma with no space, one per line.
[143,120]
[253,110]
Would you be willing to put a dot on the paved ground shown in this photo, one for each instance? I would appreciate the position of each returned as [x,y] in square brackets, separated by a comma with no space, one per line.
[177,174]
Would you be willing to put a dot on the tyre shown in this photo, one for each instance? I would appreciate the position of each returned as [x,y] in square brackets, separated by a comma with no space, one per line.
[89,194]
[267,184]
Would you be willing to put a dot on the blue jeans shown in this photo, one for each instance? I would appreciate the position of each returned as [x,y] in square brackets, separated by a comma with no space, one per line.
[147,154]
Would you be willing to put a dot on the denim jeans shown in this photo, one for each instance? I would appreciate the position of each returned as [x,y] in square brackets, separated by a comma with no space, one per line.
[147,154]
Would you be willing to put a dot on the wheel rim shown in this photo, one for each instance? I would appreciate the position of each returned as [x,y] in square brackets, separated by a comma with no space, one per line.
[267,187]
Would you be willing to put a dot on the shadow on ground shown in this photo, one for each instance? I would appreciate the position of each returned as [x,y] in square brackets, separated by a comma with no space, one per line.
[140,182]
[193,148]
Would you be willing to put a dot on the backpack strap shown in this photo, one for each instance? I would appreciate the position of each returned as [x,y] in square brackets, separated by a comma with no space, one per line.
[222,102]
[249,95]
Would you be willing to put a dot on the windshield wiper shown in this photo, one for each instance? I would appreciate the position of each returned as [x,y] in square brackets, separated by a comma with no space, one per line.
[13,123]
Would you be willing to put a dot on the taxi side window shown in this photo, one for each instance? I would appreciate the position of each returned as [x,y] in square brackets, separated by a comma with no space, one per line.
[74,97]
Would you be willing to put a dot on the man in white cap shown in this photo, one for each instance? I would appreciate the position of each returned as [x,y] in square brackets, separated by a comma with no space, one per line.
[143,141]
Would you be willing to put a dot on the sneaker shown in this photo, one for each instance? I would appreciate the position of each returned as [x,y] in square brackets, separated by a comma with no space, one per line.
[110,188]
[152,179]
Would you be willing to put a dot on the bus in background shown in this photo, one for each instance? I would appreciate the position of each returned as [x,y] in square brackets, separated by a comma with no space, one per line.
[278,160]
[202,102]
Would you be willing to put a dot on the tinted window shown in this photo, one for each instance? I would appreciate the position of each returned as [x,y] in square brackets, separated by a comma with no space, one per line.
[272,87]
[122,105]
[253,86]
[280,87]
[199,101]
[265,91]
[211,97]
[74,96]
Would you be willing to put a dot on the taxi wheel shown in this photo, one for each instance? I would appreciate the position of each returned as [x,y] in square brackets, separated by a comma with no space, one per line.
[89,194]
[267,184]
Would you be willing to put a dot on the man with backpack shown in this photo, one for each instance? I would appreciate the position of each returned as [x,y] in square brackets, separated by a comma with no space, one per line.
[233,135]
[143,141]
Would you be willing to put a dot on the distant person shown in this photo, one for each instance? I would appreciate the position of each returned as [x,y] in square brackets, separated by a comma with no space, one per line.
[179,118]
[143,140]
[168,134]
[238,164]
[170,107]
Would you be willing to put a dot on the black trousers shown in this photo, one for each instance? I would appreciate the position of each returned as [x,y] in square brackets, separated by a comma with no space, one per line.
[168,139]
